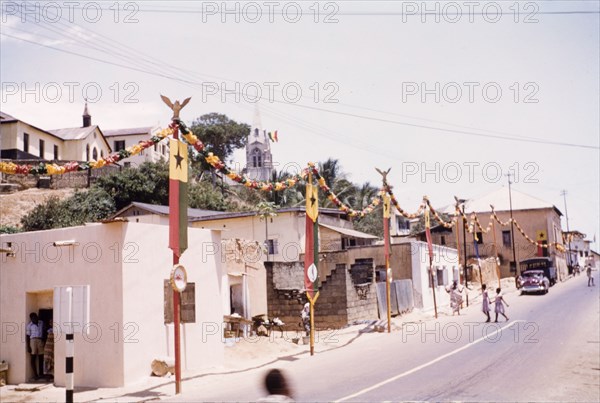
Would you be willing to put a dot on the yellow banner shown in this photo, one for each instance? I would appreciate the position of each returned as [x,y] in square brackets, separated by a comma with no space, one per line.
[312,201]
[178,161]
[386,206]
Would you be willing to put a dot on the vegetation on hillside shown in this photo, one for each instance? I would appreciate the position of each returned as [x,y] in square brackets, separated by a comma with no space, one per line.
[149,183]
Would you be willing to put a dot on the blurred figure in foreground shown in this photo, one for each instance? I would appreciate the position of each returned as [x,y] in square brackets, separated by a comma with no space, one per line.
[277,387]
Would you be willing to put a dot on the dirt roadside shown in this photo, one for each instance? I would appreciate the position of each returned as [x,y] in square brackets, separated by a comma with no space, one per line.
[13,206]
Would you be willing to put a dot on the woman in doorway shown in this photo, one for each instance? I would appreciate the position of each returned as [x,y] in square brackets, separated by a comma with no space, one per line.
[49,353]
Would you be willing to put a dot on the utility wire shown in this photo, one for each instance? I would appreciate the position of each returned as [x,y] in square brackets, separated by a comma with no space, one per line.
[190,82]
[111,44]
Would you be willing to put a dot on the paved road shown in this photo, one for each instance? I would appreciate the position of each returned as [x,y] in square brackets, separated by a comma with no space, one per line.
[549,350]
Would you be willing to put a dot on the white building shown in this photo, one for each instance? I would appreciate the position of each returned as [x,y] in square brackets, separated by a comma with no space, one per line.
[120,139]
[127,266]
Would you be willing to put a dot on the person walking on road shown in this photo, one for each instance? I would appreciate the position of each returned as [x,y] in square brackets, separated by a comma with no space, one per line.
[455,297]
[305,315]
[588,271]
[485,307]
[277,387]
[499,305]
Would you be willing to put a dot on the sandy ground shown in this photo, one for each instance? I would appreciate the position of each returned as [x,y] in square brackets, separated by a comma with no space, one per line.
[13,206]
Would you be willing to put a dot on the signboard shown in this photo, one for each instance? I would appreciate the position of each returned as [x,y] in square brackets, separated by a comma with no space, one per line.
[72,309]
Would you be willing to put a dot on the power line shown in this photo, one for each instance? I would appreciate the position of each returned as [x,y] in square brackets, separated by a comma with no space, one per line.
[112,43]
[390,121]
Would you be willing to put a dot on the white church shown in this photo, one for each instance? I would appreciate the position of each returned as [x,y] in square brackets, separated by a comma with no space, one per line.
[259,160]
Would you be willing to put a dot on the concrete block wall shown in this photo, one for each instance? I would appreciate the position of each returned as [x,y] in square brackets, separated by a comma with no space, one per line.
[339,302]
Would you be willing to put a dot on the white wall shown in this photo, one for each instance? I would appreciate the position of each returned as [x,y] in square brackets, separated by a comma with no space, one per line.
[443,258]
[143,307]
[39,266]
[125,265]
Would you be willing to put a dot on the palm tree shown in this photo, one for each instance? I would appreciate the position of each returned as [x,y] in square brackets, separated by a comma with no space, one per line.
[335,178]
[266,211]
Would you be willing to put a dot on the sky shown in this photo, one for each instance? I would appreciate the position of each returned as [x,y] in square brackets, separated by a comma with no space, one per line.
[452,96]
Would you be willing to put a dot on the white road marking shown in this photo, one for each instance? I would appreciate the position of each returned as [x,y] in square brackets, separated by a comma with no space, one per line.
[427,364]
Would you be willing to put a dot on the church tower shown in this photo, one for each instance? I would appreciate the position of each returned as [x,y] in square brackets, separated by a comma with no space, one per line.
[259,160]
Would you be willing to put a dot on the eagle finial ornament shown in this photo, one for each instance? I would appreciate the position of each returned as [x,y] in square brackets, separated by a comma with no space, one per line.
[175,107]
[383,173]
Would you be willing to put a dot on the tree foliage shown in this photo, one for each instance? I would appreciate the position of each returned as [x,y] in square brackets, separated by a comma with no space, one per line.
[203,195]
[8,229]
[220,135]
[148,183]
[84,206]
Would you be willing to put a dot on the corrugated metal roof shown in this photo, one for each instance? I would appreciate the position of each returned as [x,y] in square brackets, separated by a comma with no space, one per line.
[73,133]
[164,210]
[129,132]
[501,202]
[349,232]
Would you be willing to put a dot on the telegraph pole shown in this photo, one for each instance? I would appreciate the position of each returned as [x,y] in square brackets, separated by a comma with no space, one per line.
[564,195]
[512,230]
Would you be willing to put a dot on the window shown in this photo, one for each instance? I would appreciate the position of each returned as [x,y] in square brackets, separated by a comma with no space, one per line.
[480,238]
[506,238]
[188,303]
[440,276]
[272,246]
[42,148]
[256,158]
[155,147]
[87,152]
[119,145]
[580,253]
[101,153]
[95,154]
[442,240]
[586,253]
[26,142]
[127,164]
[55,152]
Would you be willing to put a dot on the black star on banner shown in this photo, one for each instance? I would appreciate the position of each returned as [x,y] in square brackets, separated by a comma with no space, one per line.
[312,200]
[178,159]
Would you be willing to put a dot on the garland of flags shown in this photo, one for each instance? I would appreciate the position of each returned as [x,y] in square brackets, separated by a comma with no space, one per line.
[301,178]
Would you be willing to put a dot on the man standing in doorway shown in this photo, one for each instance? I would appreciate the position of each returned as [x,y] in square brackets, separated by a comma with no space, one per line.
[35,344]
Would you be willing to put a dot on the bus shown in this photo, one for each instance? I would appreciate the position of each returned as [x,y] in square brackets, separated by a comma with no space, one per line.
[540,263]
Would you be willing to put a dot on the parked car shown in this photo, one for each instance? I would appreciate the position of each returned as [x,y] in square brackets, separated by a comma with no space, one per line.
[533,281]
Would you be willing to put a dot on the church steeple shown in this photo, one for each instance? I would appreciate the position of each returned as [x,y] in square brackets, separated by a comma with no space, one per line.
[87,118]
[259,160]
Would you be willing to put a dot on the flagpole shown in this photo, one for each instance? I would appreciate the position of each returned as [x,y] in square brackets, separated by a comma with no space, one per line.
[430,253]
[458,236]
[495,248]
[178,177]
[176,299]
[386,234]
[311,254]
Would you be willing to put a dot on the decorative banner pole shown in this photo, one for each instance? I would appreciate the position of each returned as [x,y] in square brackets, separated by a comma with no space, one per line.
[457,234]
[430,248]
[311,253]
[178,202]
[476,248]
[386,237]
[388,270]
[495,247]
